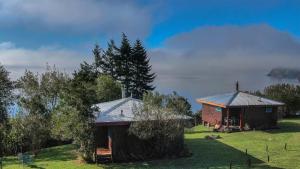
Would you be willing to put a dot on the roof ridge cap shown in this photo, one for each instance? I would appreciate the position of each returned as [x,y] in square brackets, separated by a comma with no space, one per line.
[117,105]
[233,97]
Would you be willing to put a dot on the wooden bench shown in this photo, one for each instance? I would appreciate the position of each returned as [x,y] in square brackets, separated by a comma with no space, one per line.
[104,154]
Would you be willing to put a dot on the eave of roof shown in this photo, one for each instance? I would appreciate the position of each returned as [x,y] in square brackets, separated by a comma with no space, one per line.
[238,99]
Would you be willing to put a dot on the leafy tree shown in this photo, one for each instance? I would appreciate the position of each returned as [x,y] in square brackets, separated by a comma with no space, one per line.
[141,71]
[157,121]
[76,107]
[179,104]
[15,140]
[107,89]
[38,98]
[6,87]
[286,93]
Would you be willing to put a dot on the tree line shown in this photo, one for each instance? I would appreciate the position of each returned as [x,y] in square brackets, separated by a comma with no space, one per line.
[286,93]
[55,107]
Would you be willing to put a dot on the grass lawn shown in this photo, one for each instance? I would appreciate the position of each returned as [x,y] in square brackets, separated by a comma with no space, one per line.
[206,153]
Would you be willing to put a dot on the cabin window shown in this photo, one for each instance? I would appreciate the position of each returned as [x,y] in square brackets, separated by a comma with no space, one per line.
[269,110]
[218,109]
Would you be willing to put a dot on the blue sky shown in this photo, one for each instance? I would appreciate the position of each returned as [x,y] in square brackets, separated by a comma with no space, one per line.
[193,44]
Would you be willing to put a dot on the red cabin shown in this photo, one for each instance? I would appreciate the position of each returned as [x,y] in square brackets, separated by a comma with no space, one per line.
[239,110]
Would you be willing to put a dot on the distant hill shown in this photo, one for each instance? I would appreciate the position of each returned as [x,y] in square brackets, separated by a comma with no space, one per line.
[285,73]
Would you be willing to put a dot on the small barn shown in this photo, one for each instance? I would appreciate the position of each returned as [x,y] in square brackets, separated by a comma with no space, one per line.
[113,139]
[239,110]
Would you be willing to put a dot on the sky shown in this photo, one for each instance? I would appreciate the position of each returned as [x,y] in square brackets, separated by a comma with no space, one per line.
[197,47]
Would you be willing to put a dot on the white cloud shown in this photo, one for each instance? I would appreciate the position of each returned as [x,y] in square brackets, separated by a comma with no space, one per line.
[6,45]
[78,15]
[16,60]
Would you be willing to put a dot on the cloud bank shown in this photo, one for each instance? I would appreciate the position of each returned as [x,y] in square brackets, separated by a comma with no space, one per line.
[16,60]
[208,60]
[205,61]
[105,16]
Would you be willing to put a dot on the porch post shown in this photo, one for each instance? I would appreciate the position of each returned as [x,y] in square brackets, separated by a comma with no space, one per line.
[227,117]
[241,120]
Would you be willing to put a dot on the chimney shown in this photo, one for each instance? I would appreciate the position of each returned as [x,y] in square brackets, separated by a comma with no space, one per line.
[123,91]
[237,87]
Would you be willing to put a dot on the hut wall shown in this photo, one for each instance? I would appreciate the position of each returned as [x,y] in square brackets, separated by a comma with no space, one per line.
[211,115]
[127,147]
[258,118]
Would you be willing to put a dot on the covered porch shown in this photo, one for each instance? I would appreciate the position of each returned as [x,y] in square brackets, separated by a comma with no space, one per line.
[233,118]
[103,141]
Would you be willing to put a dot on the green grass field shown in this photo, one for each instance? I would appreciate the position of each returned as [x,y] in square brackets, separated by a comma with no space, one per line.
[206,153]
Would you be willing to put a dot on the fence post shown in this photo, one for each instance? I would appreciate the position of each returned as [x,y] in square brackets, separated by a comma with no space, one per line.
[285,146]
[268,158]
[249,162]
[230,165]
[246,152]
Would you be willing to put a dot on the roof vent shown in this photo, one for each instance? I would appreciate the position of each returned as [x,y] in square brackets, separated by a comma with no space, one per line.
[122,114]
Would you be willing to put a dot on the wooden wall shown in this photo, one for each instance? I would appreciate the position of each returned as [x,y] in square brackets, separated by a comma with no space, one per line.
[258,118]
[254,116]
[127,147]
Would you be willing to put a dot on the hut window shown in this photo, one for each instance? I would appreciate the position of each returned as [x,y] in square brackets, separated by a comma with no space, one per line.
[218,109]
[269,110]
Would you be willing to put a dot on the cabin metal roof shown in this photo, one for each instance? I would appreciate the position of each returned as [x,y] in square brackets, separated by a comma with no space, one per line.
[238,99]
[122,111]
[117,111]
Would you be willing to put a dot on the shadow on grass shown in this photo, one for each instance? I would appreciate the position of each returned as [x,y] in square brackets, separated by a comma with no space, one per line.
[35,166]
[285,127]
[61,153]
[206,154]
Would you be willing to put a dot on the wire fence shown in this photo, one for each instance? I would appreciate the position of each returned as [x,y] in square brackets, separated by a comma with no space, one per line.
[248,161]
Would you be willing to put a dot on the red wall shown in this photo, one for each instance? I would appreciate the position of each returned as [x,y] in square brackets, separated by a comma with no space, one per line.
[210,115]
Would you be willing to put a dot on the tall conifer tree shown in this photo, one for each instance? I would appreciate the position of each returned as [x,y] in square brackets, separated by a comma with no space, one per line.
[141,71]
[124,62]
[110,59]
[99,62]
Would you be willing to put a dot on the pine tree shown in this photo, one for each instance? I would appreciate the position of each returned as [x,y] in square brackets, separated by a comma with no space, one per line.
[99,62]
[110,57]
[124,62]
[141,71]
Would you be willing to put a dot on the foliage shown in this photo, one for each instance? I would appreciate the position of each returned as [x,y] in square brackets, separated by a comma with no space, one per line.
[75,106]
[107,89]
[179,104]
[158,121]
[38,98]
[124,63]
[110,60]
[286,93]
[141,71]
[6,87]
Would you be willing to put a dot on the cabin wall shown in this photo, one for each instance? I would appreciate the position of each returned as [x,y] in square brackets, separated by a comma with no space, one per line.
[211,115]
[127,147]
[258,118]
